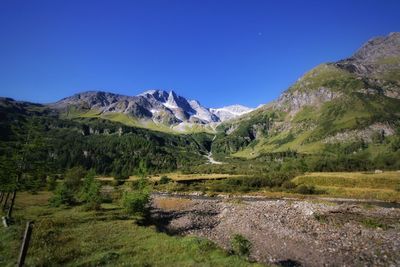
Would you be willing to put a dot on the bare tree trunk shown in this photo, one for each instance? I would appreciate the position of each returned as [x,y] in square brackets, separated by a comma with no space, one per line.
[5,201]
[10,209]
[1,197]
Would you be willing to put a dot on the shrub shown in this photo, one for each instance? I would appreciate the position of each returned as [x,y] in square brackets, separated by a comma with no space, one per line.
[397,188]
[88,180]
[142,170]
[395,144]
[288,185]
[373,223]
[52,182]
[165,180]
[240,245]
[91,192]
[121,177]
[62,196]
[306,189]
[135,202]
[93,197]
[320,217]
[33,183]
[73,178]
[140,184]
[118,182]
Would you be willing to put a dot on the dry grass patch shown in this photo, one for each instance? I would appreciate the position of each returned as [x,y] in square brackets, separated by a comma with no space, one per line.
[25,199]
[362,193]
[386,180]
[380,186]
[195,176]
[178,176]
[172,203]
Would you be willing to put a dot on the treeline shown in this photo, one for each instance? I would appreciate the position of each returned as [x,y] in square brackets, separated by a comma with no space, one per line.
[108,148]
[382,153]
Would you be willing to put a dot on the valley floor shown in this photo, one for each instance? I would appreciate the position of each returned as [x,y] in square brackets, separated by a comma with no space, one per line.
[285,228]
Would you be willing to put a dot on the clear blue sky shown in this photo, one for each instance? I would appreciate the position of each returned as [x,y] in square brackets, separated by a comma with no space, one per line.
[218,52]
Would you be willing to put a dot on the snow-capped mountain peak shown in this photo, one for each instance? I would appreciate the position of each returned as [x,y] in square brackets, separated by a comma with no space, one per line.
[158,106]
[230,112]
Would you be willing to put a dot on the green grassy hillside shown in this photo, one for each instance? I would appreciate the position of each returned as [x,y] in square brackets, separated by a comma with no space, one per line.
[327,105]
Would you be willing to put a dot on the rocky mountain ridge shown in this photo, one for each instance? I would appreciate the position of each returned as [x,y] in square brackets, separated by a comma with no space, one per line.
[375,57]
[352,100]
[157,106]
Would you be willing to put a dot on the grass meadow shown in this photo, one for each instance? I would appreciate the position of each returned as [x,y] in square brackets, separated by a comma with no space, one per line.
[108,237]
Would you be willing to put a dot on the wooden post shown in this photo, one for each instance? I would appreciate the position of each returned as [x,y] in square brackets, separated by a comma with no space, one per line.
[10,209]
[25,244]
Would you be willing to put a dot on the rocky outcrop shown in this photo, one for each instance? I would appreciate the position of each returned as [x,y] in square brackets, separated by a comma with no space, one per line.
[294,101]
[367,134]
[378,48]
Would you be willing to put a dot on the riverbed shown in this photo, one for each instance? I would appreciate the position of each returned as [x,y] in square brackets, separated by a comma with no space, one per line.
[288,232]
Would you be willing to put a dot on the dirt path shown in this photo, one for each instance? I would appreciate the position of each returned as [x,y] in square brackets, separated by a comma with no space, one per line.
[289,232]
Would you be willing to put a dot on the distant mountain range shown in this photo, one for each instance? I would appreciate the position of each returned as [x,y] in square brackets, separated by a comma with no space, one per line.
[351,101]
[151,108]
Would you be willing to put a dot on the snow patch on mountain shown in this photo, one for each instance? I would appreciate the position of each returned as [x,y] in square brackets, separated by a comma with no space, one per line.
[230,112]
